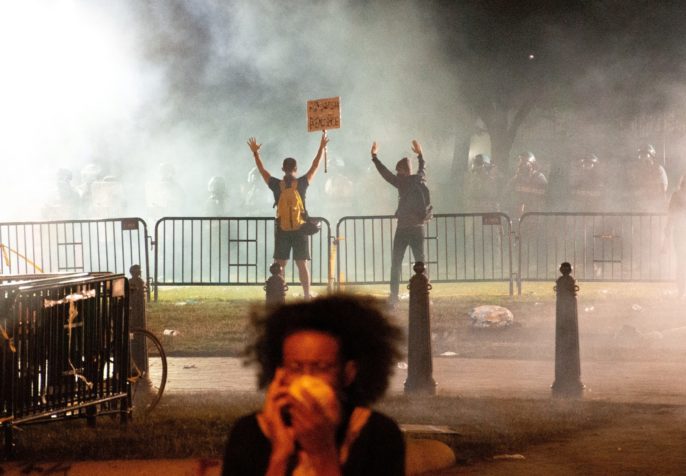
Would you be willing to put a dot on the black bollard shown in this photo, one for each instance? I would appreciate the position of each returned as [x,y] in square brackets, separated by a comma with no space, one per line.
[137,319]
[419,364]
[567,363]
[275,287]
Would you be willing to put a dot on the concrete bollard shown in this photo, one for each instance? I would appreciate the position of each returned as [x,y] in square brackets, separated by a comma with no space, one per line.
[567,363]
[275,287]
[419,363]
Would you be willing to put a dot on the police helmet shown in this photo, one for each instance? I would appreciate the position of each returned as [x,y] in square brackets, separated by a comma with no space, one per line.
[527,157]
[481,161]
[216,185]
[588,160]
[646,152]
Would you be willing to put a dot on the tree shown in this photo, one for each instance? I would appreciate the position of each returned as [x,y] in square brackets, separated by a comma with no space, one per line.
[606,59]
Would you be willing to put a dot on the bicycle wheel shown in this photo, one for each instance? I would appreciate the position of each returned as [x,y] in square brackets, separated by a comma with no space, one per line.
[148,374]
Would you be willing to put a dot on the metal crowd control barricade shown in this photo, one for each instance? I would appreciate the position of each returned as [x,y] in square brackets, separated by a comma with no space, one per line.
[460,247]
[616,246]
[63,350]
[74,246]
[201,251]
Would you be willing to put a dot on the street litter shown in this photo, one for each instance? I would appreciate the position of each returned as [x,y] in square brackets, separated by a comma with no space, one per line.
[491,316]
[509,457]
[171,332]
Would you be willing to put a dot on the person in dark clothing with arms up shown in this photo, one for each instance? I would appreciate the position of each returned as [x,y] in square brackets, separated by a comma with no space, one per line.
[410,227]
[290,237]
[324,362]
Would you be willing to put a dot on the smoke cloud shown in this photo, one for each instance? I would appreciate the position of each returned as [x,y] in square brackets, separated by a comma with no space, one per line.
[127,86]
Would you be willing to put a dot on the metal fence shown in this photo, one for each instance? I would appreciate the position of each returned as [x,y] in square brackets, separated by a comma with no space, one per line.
[600,246]
[228,251]
[108,245]
[467,247]
[463,247]
[63,349]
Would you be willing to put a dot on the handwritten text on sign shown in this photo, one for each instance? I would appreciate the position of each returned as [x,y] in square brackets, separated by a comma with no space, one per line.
[323,114]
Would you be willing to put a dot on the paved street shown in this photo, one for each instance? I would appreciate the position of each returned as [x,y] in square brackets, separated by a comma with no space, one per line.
[645,382]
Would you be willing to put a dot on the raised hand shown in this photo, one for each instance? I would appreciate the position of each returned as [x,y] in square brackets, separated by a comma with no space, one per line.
[374,148]
[324,141]
[254,146]
[416,147]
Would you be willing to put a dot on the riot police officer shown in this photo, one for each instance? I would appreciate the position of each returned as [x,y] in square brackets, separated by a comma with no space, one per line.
[481,188]
[585,184]
[646,182]
[527,189]
[216,202]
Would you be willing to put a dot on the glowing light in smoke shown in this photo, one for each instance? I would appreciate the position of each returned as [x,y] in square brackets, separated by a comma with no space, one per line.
[63,74]
[66,74]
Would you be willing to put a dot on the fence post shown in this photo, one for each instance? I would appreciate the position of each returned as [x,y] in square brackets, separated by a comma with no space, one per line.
[137,319]
[275,287]
[419,364]
[567,363]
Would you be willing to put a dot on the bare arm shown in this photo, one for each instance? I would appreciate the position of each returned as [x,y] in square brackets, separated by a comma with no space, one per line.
[255,148]
[315,163]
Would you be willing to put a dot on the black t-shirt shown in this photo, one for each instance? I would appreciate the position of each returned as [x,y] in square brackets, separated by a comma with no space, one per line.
[379,449]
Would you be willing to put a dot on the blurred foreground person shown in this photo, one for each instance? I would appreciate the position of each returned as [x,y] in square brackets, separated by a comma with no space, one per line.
[527,188]
[414,210]
[646,182]
[291,212]
[323,362]
[676,230]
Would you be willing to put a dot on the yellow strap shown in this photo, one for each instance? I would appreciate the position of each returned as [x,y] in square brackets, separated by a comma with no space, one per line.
[6,254]
[10,340]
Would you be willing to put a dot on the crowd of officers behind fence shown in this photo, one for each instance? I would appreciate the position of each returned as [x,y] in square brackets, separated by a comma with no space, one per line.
[585,183]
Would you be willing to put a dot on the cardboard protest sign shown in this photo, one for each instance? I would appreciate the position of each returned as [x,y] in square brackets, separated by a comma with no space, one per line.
[323,114]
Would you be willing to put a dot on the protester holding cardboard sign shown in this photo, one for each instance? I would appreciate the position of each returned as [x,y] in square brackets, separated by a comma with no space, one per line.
[289,198]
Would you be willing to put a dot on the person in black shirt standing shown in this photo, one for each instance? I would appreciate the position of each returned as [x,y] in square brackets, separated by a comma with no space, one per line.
[285,240]
[410,229]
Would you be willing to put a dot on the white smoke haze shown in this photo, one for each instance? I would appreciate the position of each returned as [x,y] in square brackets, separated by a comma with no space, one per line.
[130,85]
[134,84]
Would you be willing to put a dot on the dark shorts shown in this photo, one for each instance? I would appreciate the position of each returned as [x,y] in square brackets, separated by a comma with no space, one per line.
[285,240]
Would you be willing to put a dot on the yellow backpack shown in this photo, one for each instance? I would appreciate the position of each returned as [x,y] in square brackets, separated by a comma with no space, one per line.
[290,210]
